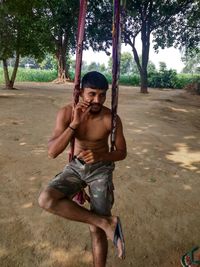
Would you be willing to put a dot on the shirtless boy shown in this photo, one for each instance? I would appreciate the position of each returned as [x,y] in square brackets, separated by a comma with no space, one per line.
[93,164]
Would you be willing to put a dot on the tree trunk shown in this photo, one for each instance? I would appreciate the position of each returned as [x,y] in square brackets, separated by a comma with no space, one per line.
[10,82]
[14,74]
[146,17]
[61,55]
[63,74]
[145,38]
[6,74]
[144,82]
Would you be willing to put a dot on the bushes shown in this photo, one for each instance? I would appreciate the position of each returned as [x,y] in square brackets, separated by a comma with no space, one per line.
[162,79]
[185,79]
[170,79]
[133,80]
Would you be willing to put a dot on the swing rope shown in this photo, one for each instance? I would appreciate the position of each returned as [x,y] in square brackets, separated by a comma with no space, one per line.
[79,53]
[79,49]
[116,52]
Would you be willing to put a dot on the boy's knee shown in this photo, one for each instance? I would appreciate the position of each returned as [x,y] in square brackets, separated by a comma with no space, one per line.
[45,200]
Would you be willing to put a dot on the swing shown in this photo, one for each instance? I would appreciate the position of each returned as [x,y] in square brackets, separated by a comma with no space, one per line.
[118,9]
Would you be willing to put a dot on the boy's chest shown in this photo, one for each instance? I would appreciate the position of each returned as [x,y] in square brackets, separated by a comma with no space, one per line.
[92,130]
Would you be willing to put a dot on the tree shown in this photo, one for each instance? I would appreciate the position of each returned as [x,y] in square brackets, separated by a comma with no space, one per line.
[98,33]
[49,62]
[16,37]
[188,32]
[192,62]
[35,28]
[60,20]
[159,18]
[126,64]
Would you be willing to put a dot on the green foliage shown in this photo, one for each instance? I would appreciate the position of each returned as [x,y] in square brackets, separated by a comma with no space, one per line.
[192,61]
[20,31]
[49,62]
[166,21]
[128,66]
[32,75]
[163,79]
[126,63]
[133,80]
[98,33]
[185,79]
[157,79]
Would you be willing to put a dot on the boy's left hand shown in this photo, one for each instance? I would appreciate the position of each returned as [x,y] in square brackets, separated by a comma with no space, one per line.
[89,156]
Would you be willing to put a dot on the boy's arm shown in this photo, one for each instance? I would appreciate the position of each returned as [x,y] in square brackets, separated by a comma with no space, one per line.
[120,151]
[62,134]
[65,128]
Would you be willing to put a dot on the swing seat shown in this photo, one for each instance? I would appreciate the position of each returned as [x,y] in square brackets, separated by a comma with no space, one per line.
[81,197]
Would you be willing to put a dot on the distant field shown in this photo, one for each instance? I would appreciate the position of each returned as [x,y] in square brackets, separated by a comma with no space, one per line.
[38,75]
[32,75]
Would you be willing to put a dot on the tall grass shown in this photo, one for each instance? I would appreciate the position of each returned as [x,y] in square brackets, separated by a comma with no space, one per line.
[31,75]
[156,79]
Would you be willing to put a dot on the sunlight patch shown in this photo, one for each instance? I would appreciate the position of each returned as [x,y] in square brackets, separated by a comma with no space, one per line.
[189,137]
[27,205]
[32,178]
[179,109]
[185,157]
[137,131]
[38,150]
[3,252]
[187,187]
[22,144]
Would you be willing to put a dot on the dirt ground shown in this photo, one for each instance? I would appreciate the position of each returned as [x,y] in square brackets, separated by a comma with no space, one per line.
[157,187]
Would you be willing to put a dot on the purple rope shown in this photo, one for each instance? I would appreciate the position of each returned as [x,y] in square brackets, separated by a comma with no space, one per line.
[79,52]
[116,53]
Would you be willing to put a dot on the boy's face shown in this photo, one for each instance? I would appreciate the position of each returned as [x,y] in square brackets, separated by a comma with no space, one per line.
[96,97]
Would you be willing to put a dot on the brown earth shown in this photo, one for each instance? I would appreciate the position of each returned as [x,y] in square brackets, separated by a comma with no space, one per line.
[157,187]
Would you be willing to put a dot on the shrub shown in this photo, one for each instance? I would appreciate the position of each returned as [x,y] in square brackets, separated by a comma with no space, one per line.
[194,87]
[164,79]
[185,79]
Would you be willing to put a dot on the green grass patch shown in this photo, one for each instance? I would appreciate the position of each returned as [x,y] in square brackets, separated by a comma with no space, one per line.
[168,79]
[31,75]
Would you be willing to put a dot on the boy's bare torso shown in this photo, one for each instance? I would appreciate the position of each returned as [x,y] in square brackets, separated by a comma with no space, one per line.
[93,132]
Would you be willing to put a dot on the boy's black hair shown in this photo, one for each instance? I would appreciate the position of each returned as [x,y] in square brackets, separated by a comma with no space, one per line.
[94,80]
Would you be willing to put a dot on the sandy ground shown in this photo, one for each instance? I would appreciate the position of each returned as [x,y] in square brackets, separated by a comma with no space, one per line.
[157,187]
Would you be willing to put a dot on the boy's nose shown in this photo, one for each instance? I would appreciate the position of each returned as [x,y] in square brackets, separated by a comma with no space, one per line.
[96,99]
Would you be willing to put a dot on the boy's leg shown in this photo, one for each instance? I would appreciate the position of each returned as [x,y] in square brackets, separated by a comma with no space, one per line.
[56,198]
[99,246]
[102,199]
[55,202]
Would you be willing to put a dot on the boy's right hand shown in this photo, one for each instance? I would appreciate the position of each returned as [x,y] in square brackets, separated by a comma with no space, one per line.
[79,113]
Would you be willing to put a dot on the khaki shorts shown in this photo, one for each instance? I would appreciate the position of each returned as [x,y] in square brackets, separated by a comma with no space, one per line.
[97,176]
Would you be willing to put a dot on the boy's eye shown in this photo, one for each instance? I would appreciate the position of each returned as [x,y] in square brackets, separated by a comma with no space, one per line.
[94,94]
[91,94]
